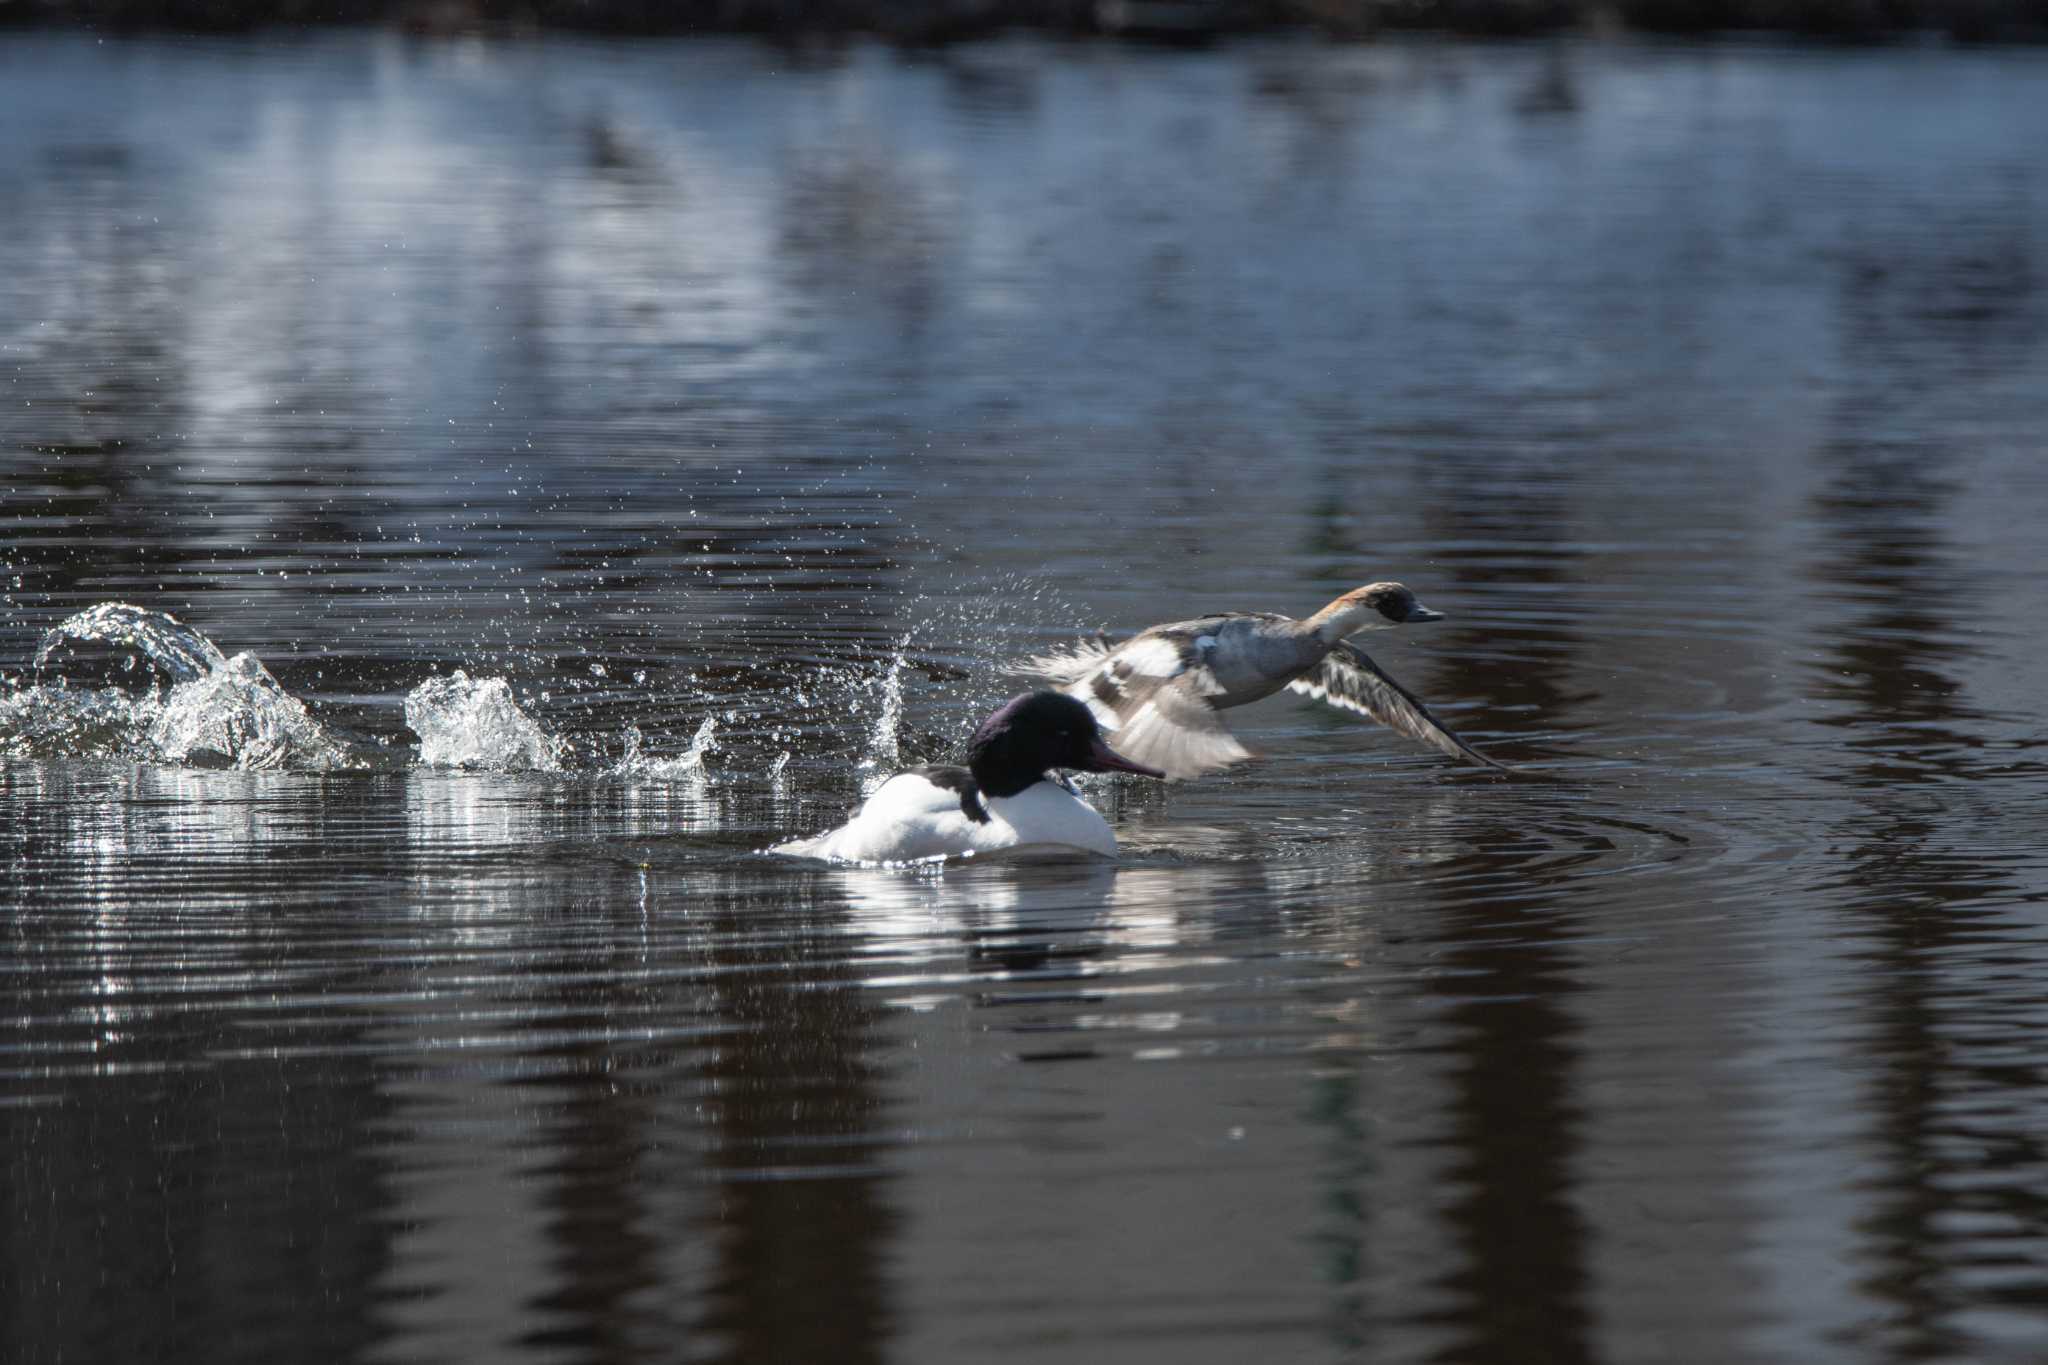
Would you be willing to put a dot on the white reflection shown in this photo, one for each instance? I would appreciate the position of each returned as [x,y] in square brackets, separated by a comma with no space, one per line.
[462,812]
[95,834]
[889,907]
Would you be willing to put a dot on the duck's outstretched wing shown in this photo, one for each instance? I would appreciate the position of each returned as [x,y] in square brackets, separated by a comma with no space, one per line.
[1151,695]
[1166,725]
[1349,679]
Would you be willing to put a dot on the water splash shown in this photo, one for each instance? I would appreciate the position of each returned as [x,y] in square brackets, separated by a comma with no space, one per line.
[702,746]
[466,722]
[632,761]
[70,722]
[691,765]
[941,670]
[237,716]
[914,701]
[181,651]
[885,746]
[220,712]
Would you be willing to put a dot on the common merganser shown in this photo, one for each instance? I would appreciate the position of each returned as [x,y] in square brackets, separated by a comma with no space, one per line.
[1002,799]
[1159,691]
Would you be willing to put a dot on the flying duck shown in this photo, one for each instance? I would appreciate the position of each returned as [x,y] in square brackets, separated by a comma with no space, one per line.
[1159,692]
[1003,798]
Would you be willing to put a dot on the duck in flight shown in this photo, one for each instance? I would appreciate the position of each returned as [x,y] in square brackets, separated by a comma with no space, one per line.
[1160,691]
[1005,797]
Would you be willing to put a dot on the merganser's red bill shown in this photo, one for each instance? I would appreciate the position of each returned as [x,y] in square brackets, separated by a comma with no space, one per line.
[1103,759]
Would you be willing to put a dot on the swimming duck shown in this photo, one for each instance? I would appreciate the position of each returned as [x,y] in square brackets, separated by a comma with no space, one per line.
[1159,691]
[1003,798]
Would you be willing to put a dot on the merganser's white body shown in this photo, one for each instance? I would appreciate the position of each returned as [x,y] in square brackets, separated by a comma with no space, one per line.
[1004,798]
[910,817]
[1159,691]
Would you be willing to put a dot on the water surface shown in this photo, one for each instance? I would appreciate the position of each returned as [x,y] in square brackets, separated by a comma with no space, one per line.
[728,416]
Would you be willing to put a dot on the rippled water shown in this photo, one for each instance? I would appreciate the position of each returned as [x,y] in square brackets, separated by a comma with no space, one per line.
[461,500]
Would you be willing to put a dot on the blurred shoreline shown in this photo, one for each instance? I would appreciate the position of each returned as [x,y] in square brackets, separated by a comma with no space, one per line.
[1172,21]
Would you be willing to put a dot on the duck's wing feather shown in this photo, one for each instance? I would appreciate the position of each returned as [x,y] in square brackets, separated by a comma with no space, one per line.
[1167,724]
[1349,679]
[1150,694]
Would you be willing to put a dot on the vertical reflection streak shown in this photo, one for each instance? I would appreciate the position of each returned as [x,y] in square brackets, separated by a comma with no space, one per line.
[1941,1117]
[794,1105]
[1523,1290]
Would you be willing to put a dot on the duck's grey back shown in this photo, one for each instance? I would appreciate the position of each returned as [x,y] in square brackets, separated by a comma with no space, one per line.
[1244,656]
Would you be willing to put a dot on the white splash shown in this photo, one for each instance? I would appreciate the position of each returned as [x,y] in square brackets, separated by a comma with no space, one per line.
[168,642]
[220,712]
[884,750]
[466,722]
[237,716]
[691,765]
[75,722]
[702,745]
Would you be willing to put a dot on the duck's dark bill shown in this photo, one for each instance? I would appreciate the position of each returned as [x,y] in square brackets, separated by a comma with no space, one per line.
[1419,614]
[1103,759]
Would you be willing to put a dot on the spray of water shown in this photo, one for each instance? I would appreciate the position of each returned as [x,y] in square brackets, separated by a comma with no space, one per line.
[702,746]
[884,753]
[219,712]
[692,766]
[466,722]
[180,700]
[179,650]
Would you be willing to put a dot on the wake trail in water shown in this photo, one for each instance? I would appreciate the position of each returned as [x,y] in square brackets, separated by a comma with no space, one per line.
[181,701]
[123,682]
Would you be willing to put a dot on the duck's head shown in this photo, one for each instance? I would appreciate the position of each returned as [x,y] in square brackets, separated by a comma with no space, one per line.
[1376,606]
[1030,734]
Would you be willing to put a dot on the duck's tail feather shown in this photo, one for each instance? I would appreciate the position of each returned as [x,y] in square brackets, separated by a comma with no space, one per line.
[1069,664]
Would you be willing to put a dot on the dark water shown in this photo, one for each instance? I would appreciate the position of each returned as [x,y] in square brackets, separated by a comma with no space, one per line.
[711,404]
